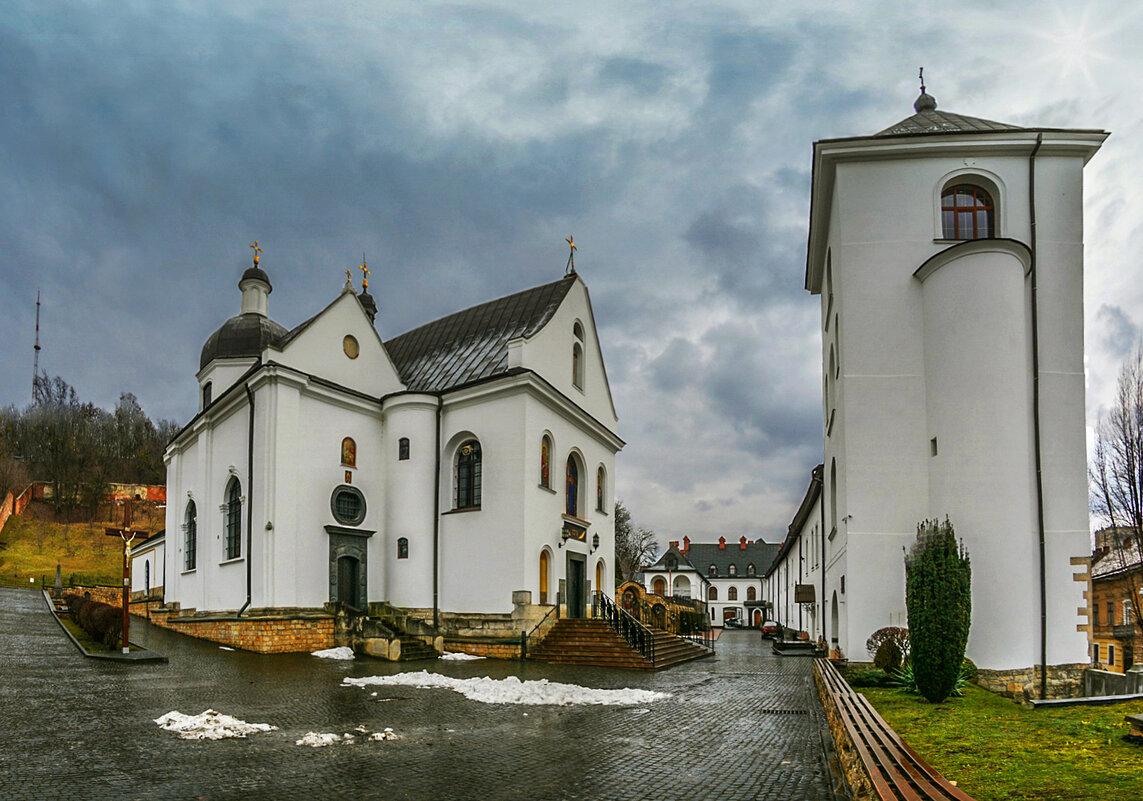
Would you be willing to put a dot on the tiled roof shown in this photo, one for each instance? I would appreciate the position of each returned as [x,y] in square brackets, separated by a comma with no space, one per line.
[473,344]
[1118,560]
[940,122]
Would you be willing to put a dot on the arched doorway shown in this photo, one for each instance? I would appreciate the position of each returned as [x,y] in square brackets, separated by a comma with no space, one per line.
[682,587]
[544,571]
[659,586]
[659,616]
[599,578]
[757,619]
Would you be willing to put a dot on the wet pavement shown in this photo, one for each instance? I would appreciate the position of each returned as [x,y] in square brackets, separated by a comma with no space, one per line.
[743,725]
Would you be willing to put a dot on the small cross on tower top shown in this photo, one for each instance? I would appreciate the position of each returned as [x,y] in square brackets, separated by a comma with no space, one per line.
[364,267]
[348,277]
[571,254]
[257,250]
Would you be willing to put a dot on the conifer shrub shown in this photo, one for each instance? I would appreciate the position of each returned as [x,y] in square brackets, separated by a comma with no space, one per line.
[938,597]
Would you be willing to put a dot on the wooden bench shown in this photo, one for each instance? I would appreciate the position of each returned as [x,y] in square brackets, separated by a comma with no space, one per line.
[894,770]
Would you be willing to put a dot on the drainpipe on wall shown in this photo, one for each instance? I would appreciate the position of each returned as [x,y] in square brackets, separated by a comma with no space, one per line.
[1036,423]
[249,497]
[437,523]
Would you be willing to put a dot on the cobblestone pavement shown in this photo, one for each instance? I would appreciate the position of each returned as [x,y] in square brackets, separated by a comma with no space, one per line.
[744,725]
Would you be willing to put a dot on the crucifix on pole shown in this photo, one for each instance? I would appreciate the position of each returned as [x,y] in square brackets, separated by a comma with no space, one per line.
[128,535]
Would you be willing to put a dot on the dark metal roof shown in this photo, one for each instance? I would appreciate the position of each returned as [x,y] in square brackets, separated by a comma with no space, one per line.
[258,274]
[243,335]
[701,555]
[473,344]
[944,122]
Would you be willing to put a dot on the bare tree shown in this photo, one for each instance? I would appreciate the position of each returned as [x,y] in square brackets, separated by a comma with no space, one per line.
[634,547]
[1117,476]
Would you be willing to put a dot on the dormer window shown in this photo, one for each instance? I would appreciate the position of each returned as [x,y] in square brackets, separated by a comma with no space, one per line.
[967,212]
[712,571]
[732,570]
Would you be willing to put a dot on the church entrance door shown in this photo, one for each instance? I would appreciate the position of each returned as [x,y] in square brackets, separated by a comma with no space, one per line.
[347,571]
[577,585]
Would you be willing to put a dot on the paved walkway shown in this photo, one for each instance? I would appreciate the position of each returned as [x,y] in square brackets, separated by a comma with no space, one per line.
[743,725]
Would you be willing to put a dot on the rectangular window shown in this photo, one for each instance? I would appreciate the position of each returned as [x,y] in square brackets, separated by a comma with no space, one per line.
[1095,614]
[933,446]
[1110,613]
[1095,653]
[1110,655]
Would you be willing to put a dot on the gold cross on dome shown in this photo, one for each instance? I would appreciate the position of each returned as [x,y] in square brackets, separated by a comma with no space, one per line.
[257,250]
[364,267]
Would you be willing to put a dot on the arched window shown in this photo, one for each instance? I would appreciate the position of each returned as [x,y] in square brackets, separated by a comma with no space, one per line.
[659,586]
[750,569]
[544,569]
[967,212]
[572,487]
[712,594]
[732,570]
[599,576]
[833,493]
[349,452]
[207,390]
[577,365]
[403,449]
[233,519]
[190,537]
[402,547]
[600,489]
[732,594]
[468,468]
[712,570]
[751,594]
[546,462]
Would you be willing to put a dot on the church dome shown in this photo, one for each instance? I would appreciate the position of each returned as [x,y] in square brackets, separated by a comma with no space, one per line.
[242,335]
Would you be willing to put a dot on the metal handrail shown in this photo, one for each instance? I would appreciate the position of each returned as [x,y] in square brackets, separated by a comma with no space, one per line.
[531,639]
[634,633]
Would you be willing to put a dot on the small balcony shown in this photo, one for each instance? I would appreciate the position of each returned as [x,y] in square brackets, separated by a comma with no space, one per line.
[1125,631]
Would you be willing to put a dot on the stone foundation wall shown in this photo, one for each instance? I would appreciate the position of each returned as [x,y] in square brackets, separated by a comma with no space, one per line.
[856,779]
[1023,684]
[107,595]
[265,631]
[489,648]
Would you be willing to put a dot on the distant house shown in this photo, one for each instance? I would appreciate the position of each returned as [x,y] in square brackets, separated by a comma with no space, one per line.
[148,567]
[1116,579]
[726,576]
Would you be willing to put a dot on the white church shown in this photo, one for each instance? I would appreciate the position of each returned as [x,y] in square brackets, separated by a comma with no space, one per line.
[441,470]
[947,252]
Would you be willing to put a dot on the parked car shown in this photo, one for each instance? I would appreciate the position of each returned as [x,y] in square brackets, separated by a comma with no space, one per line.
[771,628]
[733,623]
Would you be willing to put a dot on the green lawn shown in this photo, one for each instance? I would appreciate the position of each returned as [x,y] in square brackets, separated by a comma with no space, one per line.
[996,749]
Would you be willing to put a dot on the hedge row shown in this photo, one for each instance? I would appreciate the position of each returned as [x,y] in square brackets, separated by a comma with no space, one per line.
[103,622]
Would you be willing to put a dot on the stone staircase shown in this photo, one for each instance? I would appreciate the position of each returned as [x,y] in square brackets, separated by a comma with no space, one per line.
[592,642]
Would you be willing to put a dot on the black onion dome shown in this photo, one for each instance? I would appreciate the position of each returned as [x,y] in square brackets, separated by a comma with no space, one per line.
[243,335]
[258,273]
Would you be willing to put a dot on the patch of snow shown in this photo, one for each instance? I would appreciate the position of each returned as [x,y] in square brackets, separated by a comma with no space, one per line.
[335,653]
[511,690]
[210,725]
[318,739]
[457,656]
[383,735]
[225,648]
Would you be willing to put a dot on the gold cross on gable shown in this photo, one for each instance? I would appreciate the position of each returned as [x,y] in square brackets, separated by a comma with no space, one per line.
[349,277]
[571,254]
[364,267]
[257,250]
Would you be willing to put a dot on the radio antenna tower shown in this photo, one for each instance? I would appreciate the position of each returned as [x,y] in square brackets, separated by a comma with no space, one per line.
[36,361]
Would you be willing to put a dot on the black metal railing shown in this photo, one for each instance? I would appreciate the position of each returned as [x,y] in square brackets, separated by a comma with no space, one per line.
[529,640]
[631,630]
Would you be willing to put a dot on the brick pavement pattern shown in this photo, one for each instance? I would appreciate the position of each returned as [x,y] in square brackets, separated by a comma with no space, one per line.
[744,725]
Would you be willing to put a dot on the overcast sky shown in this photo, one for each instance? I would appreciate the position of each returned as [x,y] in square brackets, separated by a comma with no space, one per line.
[144,145]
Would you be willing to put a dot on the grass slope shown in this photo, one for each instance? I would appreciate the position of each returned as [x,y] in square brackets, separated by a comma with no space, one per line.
[35,542]
[996,749]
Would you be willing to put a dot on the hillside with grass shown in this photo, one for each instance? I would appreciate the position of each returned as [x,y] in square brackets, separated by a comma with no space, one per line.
[32,544]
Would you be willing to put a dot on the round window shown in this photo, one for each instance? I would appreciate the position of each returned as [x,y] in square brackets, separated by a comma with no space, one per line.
[350,346]
[348,505]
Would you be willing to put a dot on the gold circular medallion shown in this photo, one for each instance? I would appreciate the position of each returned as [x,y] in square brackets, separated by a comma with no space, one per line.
[350,346]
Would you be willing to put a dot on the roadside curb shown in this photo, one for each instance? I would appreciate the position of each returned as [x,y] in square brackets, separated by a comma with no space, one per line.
[142,655]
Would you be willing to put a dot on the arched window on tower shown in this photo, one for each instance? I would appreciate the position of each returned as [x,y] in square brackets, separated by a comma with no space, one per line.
[572,487]
[967,212]
[402,547]
[546,462]
[233,519]
[468,475]
[600,489]
[190,537]
[577,356]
